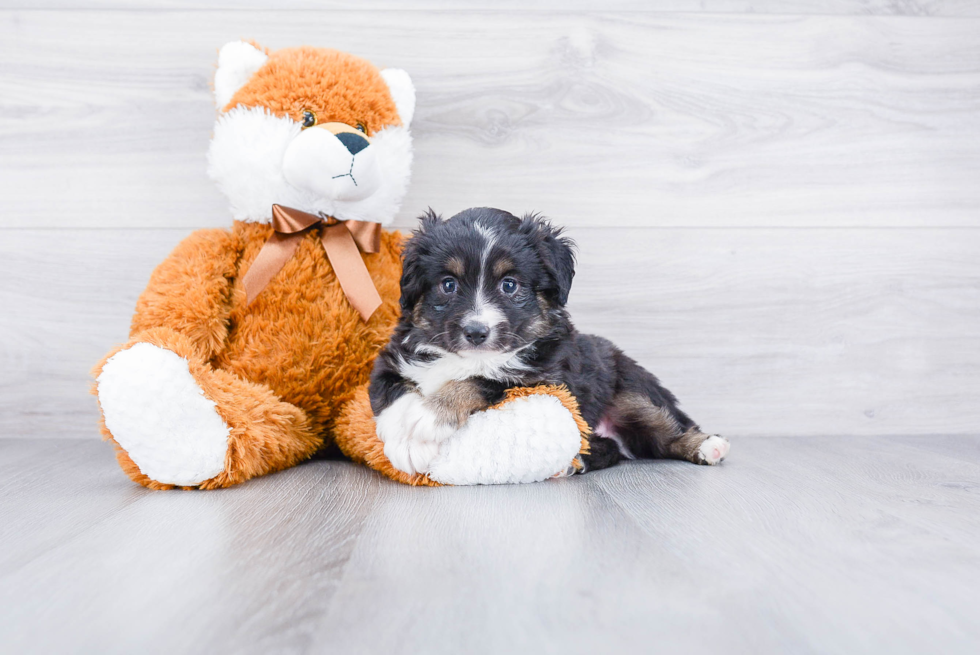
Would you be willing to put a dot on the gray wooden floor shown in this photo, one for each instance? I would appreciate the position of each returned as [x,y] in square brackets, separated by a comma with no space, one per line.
[830,545]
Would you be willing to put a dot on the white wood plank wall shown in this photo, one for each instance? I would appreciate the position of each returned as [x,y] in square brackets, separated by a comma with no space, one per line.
[777,202]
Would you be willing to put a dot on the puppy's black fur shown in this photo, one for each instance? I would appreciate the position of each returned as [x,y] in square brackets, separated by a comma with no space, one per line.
[487,290]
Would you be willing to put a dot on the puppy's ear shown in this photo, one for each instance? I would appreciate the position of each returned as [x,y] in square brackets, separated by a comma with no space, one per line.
[413,273]
[557,254]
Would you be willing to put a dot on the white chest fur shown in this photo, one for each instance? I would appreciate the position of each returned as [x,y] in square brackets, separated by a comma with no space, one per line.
[431,376]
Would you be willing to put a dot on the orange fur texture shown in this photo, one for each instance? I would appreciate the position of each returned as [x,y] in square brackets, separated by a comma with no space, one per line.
[279,369]
[332,84]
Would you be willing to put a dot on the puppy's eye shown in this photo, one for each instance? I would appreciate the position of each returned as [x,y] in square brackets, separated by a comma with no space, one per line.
[509,285]
[360,128]
[309,119]
[448,285]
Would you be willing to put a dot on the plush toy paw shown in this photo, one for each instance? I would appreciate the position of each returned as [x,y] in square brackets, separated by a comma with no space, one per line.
[159,415]
[525,439]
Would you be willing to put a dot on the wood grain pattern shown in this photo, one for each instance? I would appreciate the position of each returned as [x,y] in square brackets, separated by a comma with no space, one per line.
[68,295]
[759,332]
[652,119]
[832,7]
[613,123]
[792,545]
[795,332]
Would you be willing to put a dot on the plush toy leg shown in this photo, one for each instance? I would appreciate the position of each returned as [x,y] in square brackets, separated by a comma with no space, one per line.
[176,421]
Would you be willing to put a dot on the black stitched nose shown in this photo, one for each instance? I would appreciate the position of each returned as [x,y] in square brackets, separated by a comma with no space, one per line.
[476,333]
[353,142]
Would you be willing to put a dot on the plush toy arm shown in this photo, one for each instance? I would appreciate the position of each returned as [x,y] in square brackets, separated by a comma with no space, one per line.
[533,434]
[190,291]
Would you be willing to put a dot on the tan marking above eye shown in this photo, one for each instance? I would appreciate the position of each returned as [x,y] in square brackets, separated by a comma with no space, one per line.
[455,266]
[503,267]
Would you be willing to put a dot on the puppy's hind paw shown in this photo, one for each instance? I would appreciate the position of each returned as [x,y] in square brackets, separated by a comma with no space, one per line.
[712,450]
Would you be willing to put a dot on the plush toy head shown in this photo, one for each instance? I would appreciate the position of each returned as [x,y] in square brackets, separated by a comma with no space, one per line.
[314,129]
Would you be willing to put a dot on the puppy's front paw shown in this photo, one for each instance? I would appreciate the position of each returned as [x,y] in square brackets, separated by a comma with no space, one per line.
[411,433]
[422,453]
[712,450]
[430,427]
[411,456]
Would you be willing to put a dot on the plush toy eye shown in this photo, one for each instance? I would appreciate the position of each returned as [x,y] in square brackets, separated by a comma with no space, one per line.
[448,285]
[360,128]
[309,119]
[509,285]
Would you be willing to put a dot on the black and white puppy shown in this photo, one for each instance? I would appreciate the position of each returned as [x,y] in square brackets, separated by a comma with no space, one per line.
[483,309]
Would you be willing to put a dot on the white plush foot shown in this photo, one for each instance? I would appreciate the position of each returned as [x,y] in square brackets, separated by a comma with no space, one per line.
[411,433]
[526,440]
[156,411]
[713,450]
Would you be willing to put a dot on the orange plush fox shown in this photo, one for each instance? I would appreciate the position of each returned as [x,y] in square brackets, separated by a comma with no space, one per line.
[248,343]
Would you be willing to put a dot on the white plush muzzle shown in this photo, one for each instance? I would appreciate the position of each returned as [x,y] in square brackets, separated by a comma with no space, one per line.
[258,159]
[319,162]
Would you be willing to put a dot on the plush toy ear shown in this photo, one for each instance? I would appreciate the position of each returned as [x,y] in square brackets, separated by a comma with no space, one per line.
[557,254]
[237,62]
[402,92]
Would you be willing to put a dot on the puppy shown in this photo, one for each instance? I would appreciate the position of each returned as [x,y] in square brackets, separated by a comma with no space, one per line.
[483,309]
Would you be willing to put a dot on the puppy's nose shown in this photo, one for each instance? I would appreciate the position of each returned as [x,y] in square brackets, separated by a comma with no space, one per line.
[353,142]
[476,333]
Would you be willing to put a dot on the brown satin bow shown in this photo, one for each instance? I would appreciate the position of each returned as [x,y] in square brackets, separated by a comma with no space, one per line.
[340,239]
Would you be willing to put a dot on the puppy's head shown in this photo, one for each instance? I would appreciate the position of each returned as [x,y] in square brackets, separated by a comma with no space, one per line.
[484,281]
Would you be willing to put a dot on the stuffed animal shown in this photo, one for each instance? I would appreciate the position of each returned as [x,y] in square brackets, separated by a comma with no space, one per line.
[251,347]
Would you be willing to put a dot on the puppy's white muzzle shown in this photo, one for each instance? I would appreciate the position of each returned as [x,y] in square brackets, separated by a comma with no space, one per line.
[317,161]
